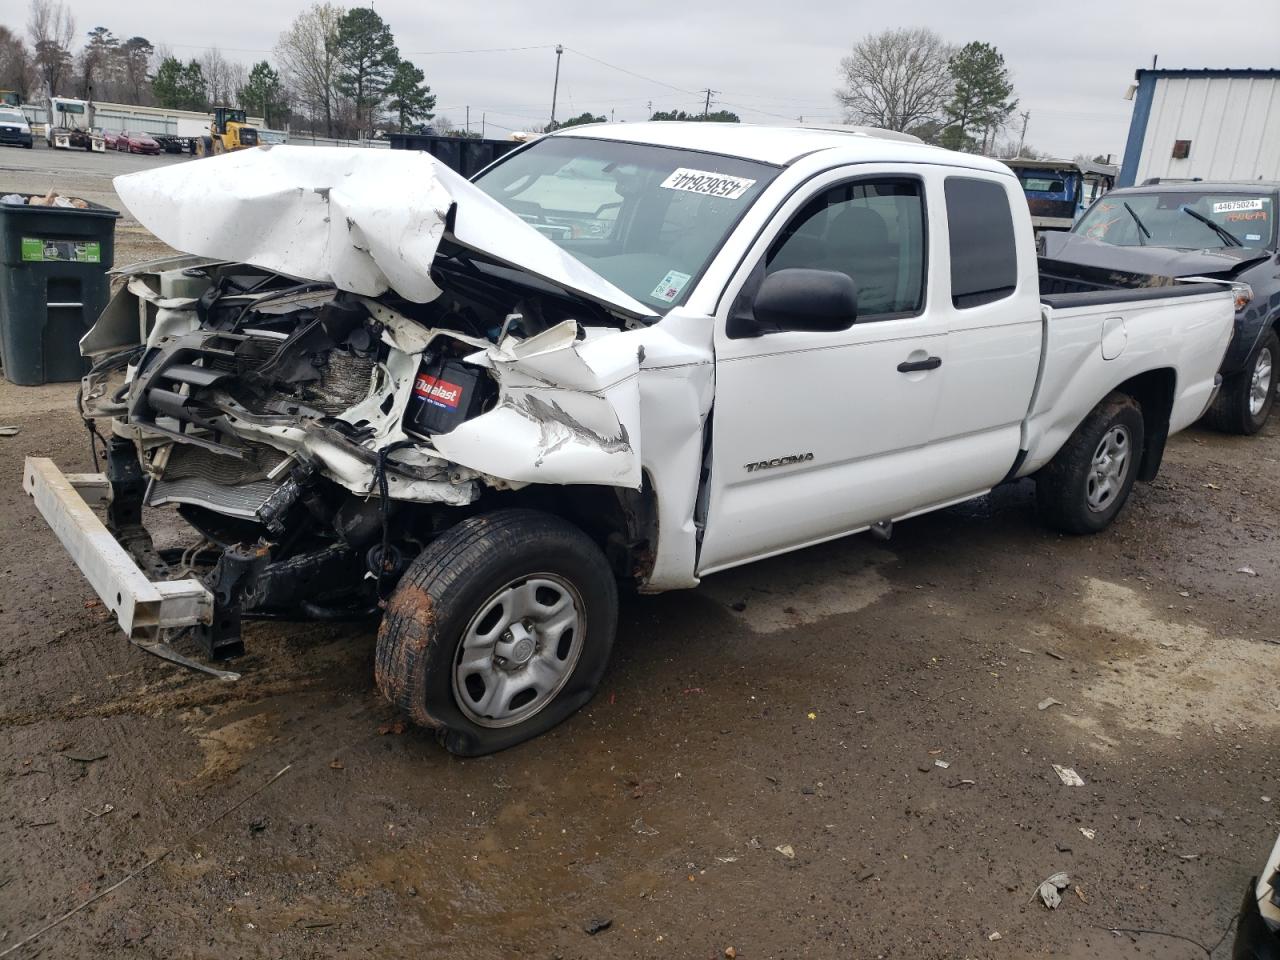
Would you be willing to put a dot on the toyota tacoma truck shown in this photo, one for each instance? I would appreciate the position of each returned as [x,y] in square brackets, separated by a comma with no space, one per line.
[640,353]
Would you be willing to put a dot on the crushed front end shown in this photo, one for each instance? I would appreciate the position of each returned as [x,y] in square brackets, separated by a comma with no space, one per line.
[314,439]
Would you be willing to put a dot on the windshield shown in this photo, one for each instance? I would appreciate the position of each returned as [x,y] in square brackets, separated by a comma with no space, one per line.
[1177,219]
[648,219]
[69,107]
[11,116]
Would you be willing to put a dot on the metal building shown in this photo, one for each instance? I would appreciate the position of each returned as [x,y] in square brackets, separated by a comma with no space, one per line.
[1210,124]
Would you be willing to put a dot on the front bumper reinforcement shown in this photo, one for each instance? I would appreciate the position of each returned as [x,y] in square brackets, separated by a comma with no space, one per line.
[143,607]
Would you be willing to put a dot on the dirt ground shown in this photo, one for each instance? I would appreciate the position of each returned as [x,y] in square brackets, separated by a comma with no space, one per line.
[761,768]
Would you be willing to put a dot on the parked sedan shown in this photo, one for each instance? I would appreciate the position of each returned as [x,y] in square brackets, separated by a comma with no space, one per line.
[111,139]
[133,142]
[14,128]
[1223,231]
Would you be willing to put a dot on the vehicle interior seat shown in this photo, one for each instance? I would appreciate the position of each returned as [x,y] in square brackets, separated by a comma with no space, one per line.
[857,244]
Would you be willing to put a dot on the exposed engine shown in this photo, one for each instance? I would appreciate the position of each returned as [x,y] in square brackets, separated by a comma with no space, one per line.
[303,431]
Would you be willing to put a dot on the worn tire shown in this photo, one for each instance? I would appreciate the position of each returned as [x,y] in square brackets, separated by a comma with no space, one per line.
[448,585]
[1230,410]
[1063,484]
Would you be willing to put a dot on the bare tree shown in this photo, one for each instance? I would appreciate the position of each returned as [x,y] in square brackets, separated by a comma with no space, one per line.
[897,80]
[222,77]
[51,28]
[308,56]
[16,69]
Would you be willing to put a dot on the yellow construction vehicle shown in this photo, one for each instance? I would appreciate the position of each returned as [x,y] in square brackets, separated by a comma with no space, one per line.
[229,131]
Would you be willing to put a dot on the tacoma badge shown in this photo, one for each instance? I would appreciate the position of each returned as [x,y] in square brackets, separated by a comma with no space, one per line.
[779,462]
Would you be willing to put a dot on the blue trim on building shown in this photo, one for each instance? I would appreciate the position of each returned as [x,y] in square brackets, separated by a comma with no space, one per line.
[1138,125]
[1207,72]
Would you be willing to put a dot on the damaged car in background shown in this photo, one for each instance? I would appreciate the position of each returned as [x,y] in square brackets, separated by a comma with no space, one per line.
[634,354]
[1220,232]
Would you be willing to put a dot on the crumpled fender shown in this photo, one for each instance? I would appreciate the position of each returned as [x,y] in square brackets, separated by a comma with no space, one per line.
[568,411]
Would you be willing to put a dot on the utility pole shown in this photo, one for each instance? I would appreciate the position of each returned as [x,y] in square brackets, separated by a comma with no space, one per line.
[612,111]
[1022,139]
[555,87]
[482,116]
[706,107]
[650,106]
[468,120]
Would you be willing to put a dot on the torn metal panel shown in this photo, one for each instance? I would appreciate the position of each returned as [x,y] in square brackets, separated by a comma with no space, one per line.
[568,411]
[367,221]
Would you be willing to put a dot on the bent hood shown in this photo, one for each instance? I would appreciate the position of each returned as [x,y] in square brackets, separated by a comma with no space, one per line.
[1160,261]
[365,220]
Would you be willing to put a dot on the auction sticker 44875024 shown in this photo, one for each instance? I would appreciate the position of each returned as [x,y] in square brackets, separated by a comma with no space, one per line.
[1228,206]
[706,182]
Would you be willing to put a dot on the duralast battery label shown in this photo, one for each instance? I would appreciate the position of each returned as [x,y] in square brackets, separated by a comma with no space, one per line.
[442,393]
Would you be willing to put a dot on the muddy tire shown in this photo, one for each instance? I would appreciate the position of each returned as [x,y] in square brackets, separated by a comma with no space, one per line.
[500,629]
[1244,403]
[1085,485]
[204,146]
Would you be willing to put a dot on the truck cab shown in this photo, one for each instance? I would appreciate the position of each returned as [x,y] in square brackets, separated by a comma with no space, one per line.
[70,125]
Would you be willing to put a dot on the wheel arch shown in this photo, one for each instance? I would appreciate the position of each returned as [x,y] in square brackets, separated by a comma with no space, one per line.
[1154,391]
[622,522]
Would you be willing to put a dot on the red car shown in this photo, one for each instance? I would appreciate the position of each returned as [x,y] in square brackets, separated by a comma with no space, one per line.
[111,139]
[133,142]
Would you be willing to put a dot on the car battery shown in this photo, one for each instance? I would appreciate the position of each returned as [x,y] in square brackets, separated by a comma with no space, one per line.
[446,392]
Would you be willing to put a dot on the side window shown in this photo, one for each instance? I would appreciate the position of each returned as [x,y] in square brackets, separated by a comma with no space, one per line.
[871,230]
[984,256]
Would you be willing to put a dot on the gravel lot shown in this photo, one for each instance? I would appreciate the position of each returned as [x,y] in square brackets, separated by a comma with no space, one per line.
[803,703]
[79,173]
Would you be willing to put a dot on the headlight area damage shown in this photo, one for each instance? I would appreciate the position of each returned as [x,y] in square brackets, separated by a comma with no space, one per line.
[314,405]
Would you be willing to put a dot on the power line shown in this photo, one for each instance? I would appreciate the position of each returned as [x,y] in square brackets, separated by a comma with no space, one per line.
[408,53]
[632,73]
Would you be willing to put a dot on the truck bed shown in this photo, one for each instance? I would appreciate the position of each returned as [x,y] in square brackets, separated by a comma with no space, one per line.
[1103,328]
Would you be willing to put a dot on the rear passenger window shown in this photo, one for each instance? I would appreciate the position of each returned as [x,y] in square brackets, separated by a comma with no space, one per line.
[873,231]
[984,257]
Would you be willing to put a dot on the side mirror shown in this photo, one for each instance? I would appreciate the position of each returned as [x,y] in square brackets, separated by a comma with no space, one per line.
[817,301]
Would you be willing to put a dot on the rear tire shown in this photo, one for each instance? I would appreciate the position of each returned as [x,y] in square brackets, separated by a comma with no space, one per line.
[1087,482]
[1244,403]
[500,629]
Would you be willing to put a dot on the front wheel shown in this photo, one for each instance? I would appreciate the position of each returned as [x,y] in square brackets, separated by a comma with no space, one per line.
[500,629]
[1244,403]
[1087,482]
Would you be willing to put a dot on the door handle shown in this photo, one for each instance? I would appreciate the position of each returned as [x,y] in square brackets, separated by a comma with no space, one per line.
[911,366]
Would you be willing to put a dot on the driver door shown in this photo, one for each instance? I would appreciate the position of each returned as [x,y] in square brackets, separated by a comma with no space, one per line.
[816,435]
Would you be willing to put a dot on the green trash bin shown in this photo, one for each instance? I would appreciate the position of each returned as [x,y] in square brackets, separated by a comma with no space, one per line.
[53,285]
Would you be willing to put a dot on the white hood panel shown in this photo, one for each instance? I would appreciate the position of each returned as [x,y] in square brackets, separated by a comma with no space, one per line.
[365,220]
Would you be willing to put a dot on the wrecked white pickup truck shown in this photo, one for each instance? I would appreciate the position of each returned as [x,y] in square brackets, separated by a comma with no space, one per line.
[642,353]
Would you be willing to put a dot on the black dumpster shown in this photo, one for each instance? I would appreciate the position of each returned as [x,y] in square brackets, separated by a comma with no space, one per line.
[53,285]
[464,155]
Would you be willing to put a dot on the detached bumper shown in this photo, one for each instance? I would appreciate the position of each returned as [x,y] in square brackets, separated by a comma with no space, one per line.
[141,605]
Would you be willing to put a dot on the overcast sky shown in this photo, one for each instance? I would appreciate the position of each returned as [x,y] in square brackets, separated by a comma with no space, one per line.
[770,62]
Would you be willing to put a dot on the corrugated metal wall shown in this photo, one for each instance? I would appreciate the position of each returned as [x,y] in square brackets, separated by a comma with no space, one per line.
[1233,124]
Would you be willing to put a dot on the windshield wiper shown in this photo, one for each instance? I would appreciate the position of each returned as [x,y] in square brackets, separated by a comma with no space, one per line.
[1141,226]
[1223,232]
